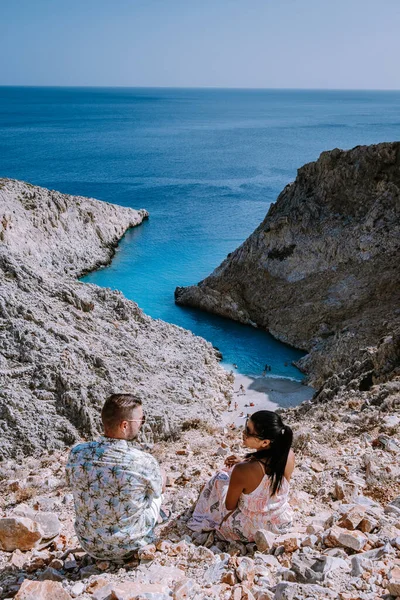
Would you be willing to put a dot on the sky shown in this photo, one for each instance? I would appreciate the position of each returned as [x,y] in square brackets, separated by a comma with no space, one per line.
[336,44]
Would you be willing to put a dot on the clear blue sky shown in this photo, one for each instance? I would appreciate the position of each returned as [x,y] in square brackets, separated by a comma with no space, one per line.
[195,43]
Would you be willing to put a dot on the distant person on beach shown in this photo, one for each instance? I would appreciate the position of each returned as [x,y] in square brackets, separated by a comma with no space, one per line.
[250,493]
[241,389]
[117,487]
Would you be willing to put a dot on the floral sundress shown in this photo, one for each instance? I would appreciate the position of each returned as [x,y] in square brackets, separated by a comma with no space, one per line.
[257,510]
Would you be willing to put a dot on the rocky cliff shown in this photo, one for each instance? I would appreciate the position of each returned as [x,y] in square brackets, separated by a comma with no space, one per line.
[322,270]
[65,345]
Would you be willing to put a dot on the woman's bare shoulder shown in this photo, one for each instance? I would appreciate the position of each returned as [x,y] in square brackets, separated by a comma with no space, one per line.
[247,466]
[241,471]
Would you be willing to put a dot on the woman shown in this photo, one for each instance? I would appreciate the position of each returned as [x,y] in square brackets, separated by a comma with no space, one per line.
[252,493]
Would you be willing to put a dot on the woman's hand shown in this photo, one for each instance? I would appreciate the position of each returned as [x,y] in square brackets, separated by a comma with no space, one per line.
[232,460]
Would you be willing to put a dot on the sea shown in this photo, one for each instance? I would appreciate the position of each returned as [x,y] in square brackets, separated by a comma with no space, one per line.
[205,163]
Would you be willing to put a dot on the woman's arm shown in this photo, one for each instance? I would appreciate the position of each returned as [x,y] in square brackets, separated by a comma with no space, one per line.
[289,465]
[236,486]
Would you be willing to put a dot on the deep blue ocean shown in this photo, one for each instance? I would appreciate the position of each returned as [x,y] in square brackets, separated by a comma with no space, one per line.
[205,163]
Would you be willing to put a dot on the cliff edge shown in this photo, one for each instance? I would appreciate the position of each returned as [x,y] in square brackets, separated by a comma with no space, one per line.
[322,270]
[66,345]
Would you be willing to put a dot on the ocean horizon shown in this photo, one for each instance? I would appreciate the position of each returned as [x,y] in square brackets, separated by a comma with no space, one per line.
[205,162]
[155,87]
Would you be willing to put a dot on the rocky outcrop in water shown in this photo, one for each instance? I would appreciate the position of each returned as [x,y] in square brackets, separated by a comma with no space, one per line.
[322,270]
[66,345]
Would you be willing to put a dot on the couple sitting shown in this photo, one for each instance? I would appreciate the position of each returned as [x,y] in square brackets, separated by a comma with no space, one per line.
[118,488]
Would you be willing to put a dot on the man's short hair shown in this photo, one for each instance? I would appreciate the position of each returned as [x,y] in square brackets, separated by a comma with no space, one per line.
[117,408]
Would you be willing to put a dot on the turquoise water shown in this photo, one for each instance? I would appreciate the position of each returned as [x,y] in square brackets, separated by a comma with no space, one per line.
[206,164]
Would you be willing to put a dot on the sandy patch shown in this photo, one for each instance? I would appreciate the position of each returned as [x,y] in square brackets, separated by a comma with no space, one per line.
[263,393]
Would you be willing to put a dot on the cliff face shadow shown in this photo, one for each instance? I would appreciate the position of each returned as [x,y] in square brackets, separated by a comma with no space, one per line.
[280,391]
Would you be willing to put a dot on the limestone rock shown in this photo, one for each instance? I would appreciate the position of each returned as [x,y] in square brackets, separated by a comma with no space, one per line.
[393,507]
[245,570]
[229,578]
[353,518]
[264,595]
[394,582]
[216,572]
[264,540]
[51,575]
[147,552]
[266,559]
[185,589]
[49,522]
[329,246]
[77,589]
[23,510]
[132,591]
[355,540]
[96,585]
[312,569]
[292,591]
[243,592]
[70,563]
[56,563]
[290,541]
[66,345]
[167,575]
[18,559]
[346,491]
[309,541]
[42,590]
[19,533]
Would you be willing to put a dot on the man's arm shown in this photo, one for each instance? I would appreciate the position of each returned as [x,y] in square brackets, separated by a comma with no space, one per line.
[155,476]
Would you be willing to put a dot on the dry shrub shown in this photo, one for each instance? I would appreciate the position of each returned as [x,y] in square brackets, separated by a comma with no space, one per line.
[381,493]
[301,441]
[21,495]
[191,424]
[25,494]
[200,425]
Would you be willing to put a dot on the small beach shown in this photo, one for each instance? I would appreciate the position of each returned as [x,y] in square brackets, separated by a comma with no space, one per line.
[252,393]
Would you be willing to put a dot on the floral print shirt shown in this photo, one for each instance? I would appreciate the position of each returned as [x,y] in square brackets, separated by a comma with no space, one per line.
[114,484]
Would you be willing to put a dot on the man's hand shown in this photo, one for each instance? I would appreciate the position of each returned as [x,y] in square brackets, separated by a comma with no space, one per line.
[232,460]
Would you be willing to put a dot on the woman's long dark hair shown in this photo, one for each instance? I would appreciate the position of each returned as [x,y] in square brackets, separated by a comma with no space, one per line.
[269,426]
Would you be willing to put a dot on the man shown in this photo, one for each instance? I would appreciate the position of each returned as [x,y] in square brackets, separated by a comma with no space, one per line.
[117,488]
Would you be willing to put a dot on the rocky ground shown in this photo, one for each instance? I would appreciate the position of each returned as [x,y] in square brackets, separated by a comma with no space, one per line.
[321,272]
[345,541]
[65,345]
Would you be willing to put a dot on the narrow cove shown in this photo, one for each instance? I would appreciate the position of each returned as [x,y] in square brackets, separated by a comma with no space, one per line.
[140,272]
